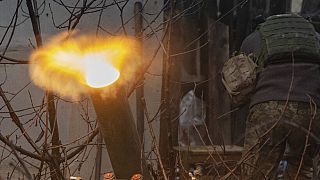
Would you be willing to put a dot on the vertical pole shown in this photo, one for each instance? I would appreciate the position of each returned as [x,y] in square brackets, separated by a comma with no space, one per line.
[140,89]
[218,101]
[165,121]
[170,90]
[51,114]
[189,32]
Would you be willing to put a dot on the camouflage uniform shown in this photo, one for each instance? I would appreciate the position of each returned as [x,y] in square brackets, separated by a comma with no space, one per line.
[288,52]
[275,131]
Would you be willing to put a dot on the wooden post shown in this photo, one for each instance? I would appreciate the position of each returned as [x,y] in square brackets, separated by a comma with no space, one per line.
[189,32]
[140,89]
[218,100]
[170,90]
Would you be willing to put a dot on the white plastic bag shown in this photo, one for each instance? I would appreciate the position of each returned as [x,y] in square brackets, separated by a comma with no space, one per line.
[191,120]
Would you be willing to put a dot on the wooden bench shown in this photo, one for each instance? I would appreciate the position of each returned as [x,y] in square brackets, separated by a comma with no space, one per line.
[219,158]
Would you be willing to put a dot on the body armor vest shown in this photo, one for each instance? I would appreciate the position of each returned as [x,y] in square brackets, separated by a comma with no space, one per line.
[286,36]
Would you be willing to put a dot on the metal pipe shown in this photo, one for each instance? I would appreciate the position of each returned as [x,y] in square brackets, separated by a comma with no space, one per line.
[119,132]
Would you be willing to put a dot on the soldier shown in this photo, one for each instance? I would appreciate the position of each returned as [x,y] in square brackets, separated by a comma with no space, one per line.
[283,125]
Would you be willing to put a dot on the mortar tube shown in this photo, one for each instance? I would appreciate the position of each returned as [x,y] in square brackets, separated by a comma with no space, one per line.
[120,134]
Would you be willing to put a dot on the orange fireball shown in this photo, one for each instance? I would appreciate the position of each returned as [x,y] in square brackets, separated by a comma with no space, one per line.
[75,65]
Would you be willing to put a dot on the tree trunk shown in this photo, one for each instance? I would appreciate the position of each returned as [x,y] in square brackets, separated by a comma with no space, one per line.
[55,141]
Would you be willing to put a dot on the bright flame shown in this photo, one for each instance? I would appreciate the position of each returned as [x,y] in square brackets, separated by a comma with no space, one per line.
[98,73]
[76,65]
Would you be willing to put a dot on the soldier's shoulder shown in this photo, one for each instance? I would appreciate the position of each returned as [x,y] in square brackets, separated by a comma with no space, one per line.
[250,42]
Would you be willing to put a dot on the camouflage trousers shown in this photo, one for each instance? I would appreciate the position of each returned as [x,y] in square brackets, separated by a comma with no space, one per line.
[279,131]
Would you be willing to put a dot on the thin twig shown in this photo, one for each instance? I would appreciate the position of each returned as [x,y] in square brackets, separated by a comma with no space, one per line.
[313,110]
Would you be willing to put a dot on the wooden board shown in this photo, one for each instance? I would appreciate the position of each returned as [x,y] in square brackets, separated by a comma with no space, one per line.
[221,158]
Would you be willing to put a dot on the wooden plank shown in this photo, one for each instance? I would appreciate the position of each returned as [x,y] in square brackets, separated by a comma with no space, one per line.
[219,121]
[215,149]
[190,33]
[219,157]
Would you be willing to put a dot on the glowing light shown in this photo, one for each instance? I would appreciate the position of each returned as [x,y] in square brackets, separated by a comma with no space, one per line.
[76,65]
[98,73]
